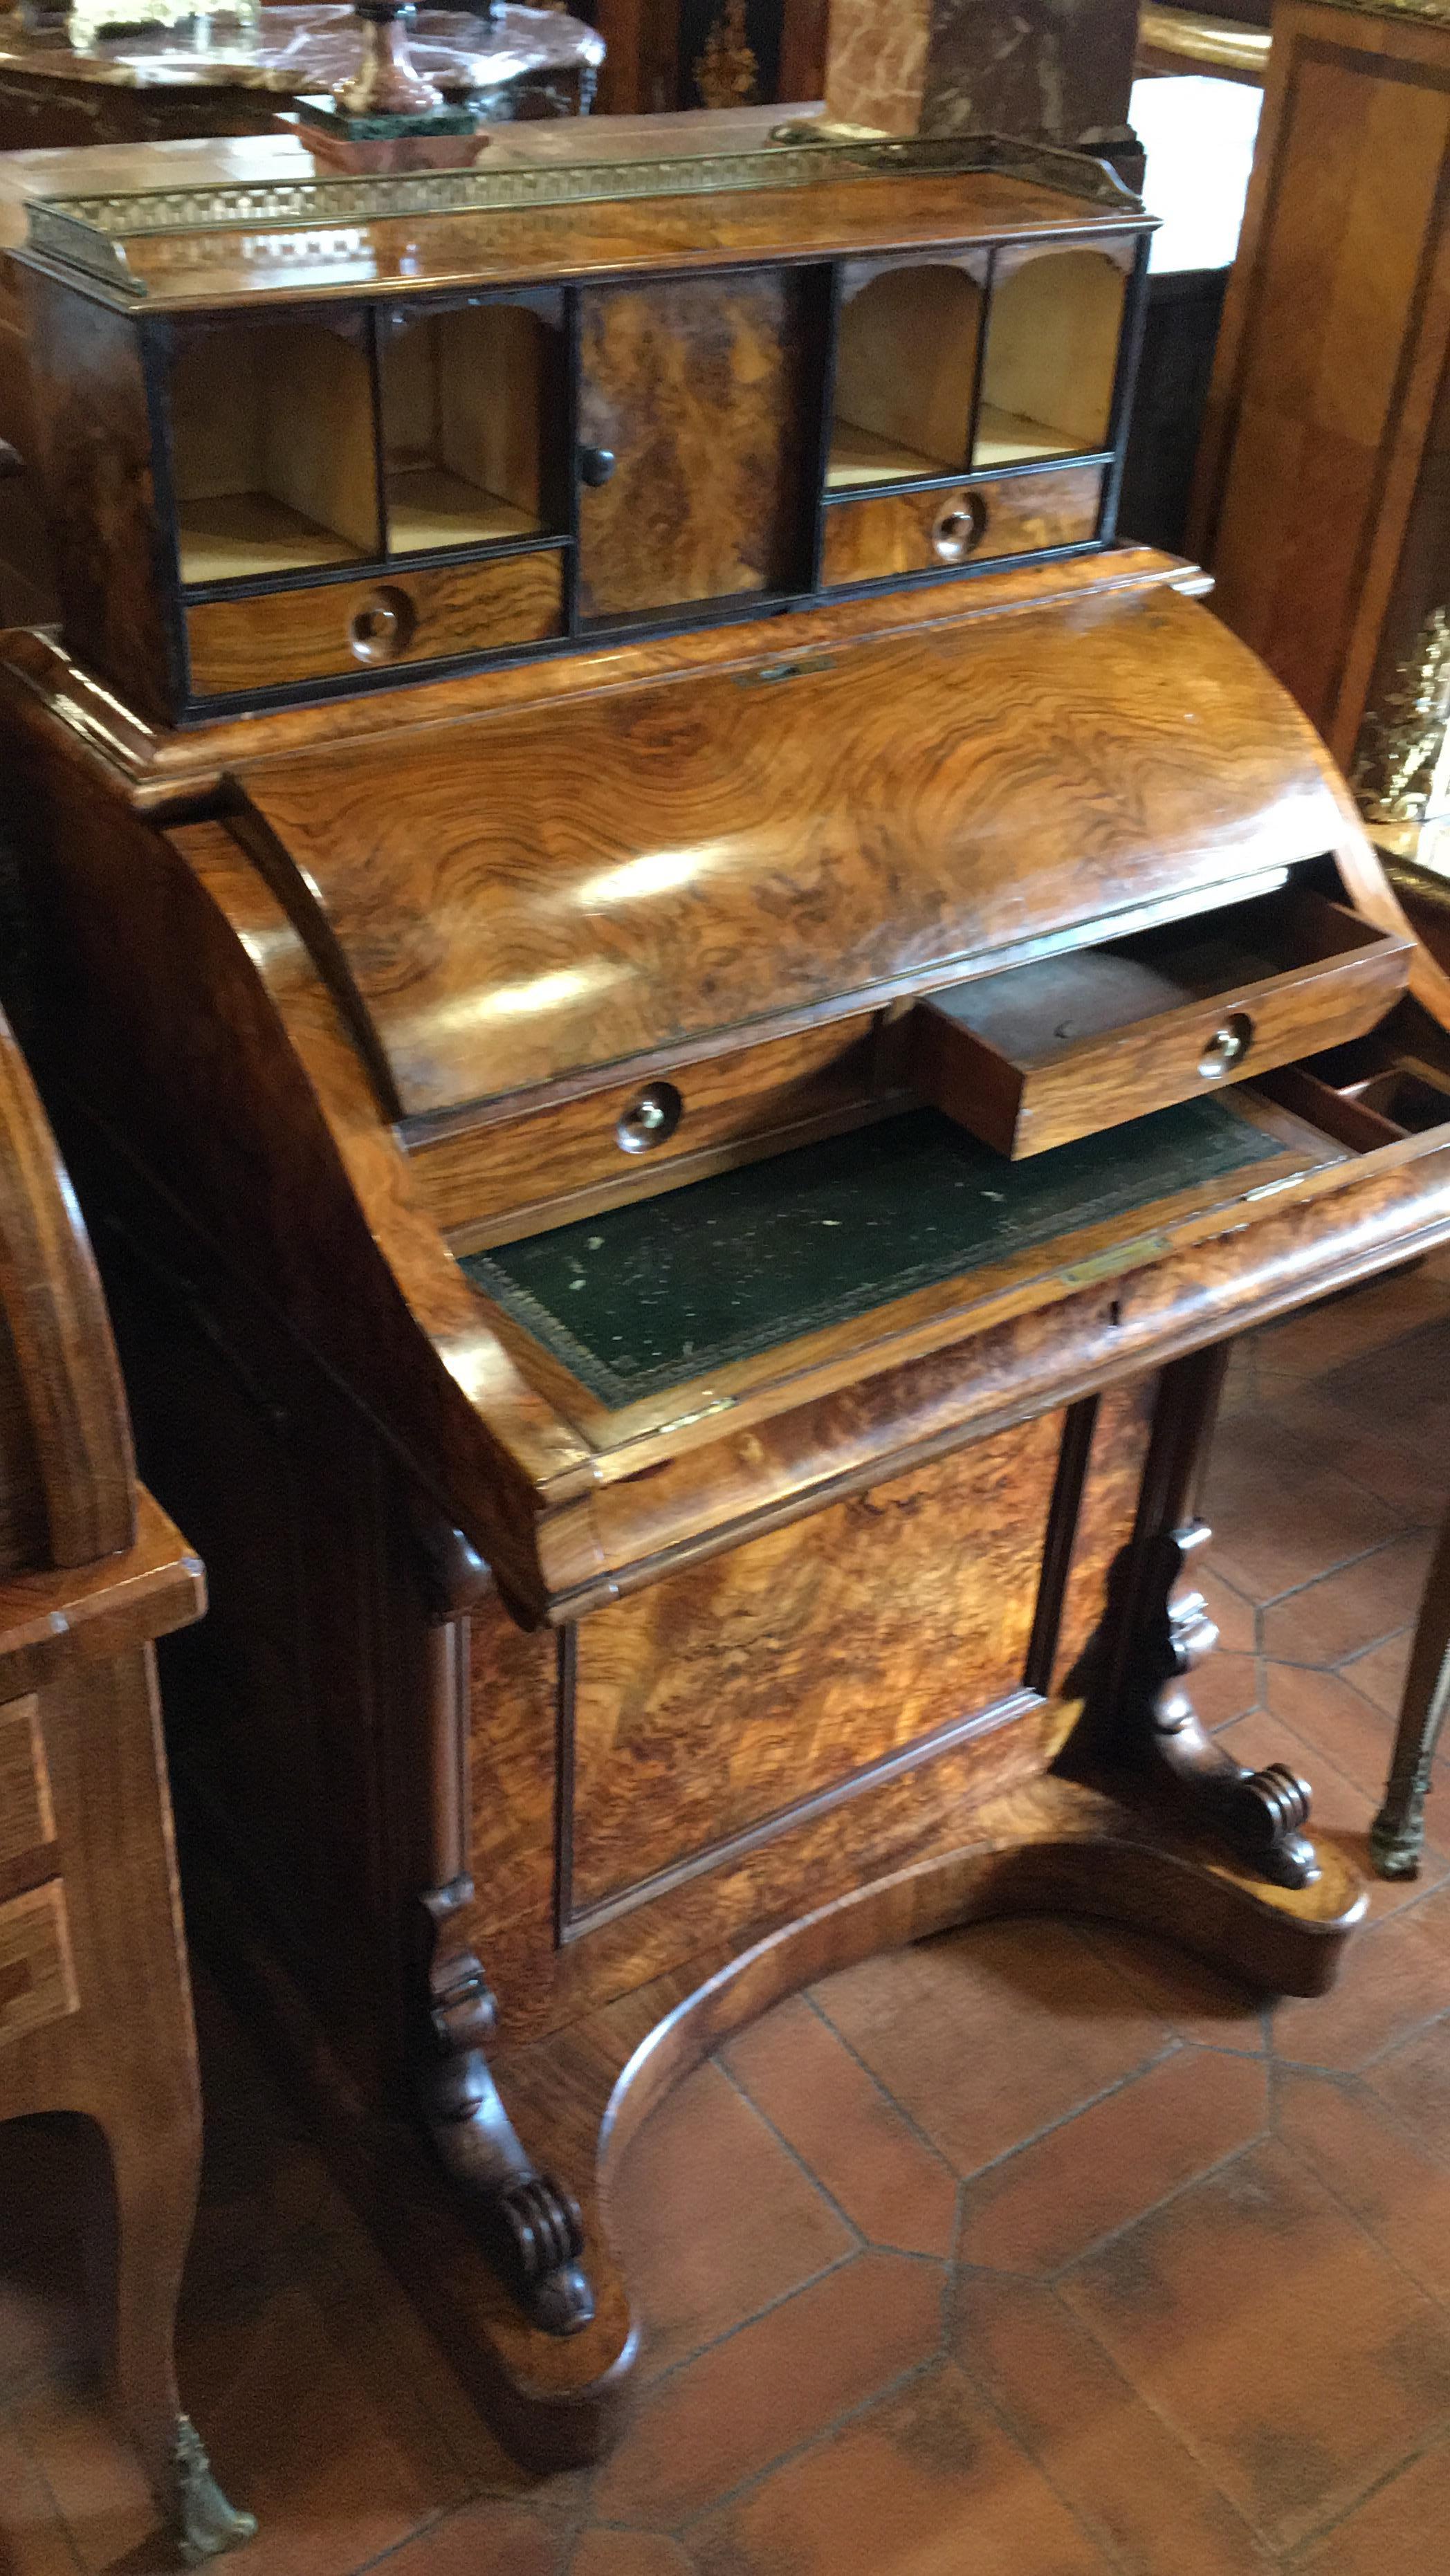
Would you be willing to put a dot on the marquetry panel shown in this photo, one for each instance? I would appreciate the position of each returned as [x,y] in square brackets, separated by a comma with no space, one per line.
[731,1694]
[37,1975]
[27,1816]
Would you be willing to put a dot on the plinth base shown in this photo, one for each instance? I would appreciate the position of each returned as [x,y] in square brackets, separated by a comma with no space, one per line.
[580,2095]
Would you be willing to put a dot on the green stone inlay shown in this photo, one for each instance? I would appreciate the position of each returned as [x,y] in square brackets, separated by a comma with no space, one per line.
[646,1296]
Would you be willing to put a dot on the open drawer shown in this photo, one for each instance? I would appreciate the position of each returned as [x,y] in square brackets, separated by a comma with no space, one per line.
[1074,1044]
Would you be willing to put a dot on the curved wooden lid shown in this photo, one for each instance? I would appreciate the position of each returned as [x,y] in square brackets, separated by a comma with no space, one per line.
[539,892]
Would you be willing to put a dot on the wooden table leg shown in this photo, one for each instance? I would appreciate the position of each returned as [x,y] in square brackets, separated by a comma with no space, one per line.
[1397,1835]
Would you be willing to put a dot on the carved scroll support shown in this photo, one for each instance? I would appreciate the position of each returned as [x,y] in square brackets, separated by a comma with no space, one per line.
[528,2224]
[1139,1718]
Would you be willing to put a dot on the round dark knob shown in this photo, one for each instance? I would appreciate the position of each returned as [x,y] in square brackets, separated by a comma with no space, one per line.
[650,1119]
[383,627]
[596,464]
[1227,1047]
[958,527]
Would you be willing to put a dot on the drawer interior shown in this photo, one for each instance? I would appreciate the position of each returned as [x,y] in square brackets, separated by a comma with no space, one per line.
[1074,1043]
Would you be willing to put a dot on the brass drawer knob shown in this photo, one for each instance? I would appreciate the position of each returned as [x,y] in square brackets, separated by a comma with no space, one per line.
[383,627]
[650,1119]
[1227,1047]
[959,528]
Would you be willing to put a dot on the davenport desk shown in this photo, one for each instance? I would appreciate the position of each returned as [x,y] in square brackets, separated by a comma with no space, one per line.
[690,1011]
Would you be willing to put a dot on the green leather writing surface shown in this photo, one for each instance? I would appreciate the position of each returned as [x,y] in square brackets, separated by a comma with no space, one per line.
[646,1296]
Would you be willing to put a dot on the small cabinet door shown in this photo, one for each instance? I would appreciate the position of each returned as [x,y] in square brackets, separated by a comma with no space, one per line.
[698,419]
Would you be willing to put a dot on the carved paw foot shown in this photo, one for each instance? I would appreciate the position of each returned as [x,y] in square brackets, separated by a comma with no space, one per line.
[541,2245]
[1263,1814]
[206,2524]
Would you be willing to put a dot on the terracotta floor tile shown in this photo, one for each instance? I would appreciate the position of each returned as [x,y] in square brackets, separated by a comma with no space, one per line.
[1380,1674]
[1341,1813]
[1047,2204]
[92,2474]
[264,2185]
[1198,2003]
[1413,2082]
[1225,1687]
[805,2080]
[779,2382]
[1401,1469]
[714,2218]
[1335,1721]
[33,2539]
[369,2310]
[1396,1975]
[988,2034]
[1274,2337]
[1231,1614]
[1351,2142]
[628,2553]
[487,2539]
[1403,2530]
[1136,2488]
[925,2484]
[44,2328]
[1281,1512]
[316,2425]
[1353,1608]
[1350,1325]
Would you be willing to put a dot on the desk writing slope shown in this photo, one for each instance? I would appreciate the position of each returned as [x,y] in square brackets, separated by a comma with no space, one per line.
[686,1100]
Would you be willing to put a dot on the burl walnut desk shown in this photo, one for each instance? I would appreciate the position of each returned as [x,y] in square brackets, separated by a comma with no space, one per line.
[690,1011]
[95,2006]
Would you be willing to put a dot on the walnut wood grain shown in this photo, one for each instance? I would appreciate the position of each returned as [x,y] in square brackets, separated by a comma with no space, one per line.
[322,632]
[912,532]
[868,785]
[698,388]
[168,765]
[752,1683]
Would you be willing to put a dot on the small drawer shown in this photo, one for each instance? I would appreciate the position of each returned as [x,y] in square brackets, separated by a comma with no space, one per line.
[1076,1044]
[37,1974]
[891,533]
[349,627]
[540,1167]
